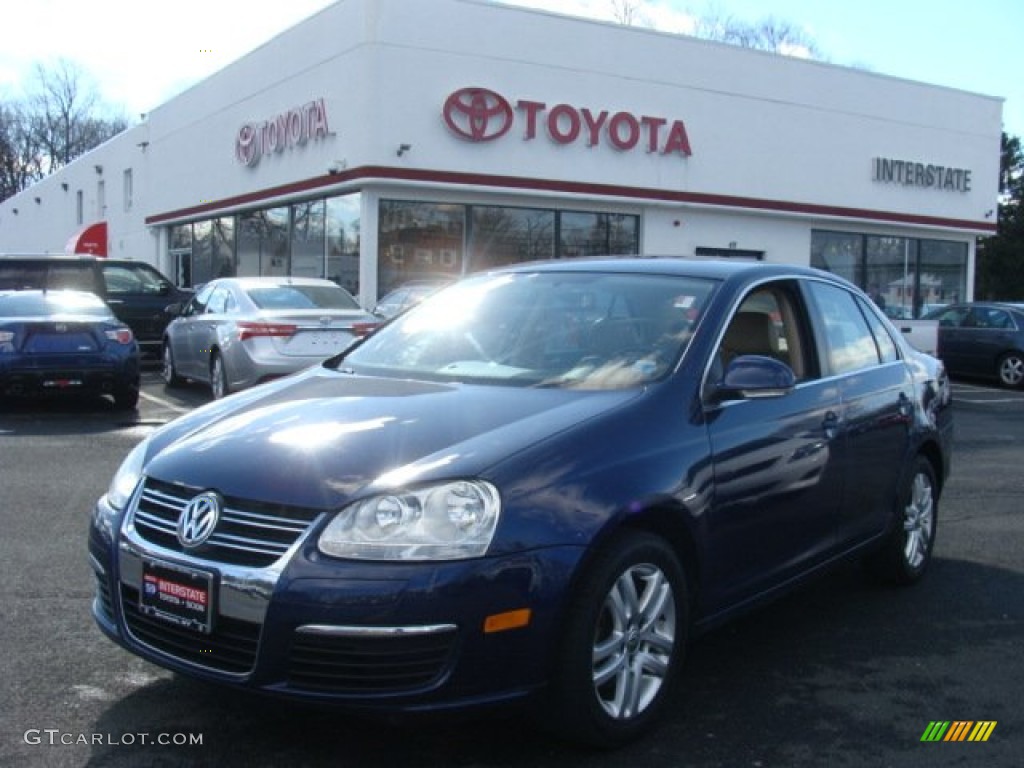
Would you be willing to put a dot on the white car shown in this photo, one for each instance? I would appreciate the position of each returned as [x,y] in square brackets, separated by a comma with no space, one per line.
[240,331]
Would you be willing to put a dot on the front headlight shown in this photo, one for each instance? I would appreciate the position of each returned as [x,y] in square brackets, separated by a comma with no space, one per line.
[448,521]
[127,477]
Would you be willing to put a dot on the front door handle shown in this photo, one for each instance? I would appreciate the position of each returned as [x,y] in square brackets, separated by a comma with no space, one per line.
[831,425]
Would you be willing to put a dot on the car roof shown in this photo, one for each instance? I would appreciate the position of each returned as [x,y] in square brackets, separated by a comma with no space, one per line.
[718,269]
[249,282]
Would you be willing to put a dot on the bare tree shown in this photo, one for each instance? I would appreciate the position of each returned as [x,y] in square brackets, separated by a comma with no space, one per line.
[60,118]
[625,11]
[20,157]
[66,114]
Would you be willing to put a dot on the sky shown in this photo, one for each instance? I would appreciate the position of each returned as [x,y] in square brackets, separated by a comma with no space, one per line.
[138,55]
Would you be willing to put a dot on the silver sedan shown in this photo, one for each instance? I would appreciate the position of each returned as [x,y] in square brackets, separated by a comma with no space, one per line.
[239,331]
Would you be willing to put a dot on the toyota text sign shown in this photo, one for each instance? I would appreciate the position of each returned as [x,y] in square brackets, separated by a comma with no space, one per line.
[479,114]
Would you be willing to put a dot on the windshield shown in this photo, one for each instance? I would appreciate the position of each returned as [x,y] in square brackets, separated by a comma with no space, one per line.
[32,304]
[582,330]
[297,296]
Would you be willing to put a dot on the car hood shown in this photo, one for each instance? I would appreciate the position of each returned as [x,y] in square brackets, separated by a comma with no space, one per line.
[321,438]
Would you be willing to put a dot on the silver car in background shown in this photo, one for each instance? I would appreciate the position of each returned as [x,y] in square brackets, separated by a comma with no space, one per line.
[239,331]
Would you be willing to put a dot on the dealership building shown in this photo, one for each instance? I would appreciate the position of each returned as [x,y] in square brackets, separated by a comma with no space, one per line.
[385,141]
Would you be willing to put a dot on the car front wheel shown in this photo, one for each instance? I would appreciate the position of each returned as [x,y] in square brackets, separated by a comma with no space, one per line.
[1011,370]
[219,377]
[623,643]
[908,550]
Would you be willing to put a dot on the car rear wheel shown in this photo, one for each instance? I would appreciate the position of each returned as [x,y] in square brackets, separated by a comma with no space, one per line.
[908,550]
[623,643]
[218,377]
[126,399]
[168,372]
[1011,370]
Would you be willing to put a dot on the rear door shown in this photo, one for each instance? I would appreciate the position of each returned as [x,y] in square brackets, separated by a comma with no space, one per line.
[987,333]
[875,392]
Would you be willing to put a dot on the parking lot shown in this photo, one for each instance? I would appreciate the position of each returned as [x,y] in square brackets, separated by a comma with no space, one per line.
[841,673]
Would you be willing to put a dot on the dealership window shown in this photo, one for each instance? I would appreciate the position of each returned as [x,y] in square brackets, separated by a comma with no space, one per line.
[101,199]
[222,232]
[202,252]
[905,276]
[430,241]
[179,246]
[419,241]
[342,223]
[597,234]
[308,239]
[79,208]
[263,242]
[500,236]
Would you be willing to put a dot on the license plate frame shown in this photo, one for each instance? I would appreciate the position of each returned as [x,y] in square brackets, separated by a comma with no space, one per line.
[178,594]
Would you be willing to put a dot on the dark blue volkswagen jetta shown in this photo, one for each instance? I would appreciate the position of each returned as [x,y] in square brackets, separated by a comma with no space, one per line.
[540,480]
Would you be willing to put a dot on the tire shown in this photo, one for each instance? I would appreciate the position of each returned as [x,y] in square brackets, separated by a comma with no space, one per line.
[1011,370]
[907,552]
[126,399]
[622,645]
[168,372]
[218,377]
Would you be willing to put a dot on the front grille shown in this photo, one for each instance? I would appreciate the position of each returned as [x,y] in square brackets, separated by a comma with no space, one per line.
[231,647]
[376,664]
[249,533]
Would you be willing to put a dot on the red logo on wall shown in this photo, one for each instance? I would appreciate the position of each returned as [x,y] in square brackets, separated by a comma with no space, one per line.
[478,114]
[289,129]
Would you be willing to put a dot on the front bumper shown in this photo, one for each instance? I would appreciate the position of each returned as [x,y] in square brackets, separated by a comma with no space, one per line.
[395,637]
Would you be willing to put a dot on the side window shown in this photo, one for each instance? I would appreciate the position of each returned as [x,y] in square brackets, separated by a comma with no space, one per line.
[767,323]
[888,352]
[121,281]
[218,303]
[985,317]
[952,317]
[849,342]
[198,303]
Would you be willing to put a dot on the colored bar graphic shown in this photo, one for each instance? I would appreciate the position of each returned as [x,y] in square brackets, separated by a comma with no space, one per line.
[935,731]
[959,730]
[982,730]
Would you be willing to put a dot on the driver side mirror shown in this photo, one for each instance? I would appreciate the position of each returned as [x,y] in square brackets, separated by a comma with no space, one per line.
[750,377]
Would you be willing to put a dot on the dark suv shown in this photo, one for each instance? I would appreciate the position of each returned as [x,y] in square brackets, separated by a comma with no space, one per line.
[135,290]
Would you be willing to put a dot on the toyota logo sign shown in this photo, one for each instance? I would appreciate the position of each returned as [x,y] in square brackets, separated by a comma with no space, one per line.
[478,114]
[200,517]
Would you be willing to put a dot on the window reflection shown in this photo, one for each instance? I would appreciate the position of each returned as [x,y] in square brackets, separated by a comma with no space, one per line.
[419,241]
[343,221]
[308,239]
[598,234]
[503,236]
[907,277]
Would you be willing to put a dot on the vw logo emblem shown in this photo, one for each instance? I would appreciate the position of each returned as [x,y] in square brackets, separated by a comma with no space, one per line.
[478,114]
[199,518]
